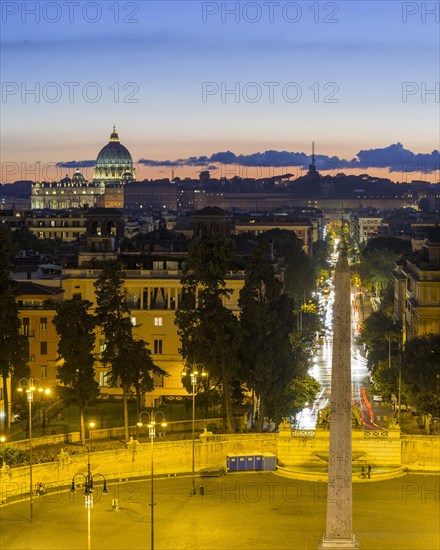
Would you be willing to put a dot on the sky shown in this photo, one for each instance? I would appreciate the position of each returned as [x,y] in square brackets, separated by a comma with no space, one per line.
[184,81]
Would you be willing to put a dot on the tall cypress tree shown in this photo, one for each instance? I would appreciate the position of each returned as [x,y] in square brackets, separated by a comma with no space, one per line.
[13,345]
[266,321]
[113,315]
[75,327]
[208,329]
[131,364]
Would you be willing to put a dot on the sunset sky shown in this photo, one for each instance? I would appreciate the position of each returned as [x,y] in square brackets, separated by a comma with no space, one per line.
[352,76]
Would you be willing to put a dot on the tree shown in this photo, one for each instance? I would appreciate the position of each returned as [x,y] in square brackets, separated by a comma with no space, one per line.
[113,316]
[375,269]
[207,329]
[138,355]
[268,361]
[24,239]
[13,345]
[130,360]
[302,390]
[391,244]
[75,327]
[299,277]
[421,372]
[381,336]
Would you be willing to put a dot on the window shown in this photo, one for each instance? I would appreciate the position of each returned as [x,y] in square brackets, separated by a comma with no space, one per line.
[43,323]
[158,346]
[158,321]
[103,379]
[158,380]
[26,325]
[77,296]
[43,371]
[102,346]
[43,348]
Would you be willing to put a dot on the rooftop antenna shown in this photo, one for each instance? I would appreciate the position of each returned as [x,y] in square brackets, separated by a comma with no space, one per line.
[313,154]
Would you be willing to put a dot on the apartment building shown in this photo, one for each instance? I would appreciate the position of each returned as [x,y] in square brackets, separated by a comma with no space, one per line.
[417,292]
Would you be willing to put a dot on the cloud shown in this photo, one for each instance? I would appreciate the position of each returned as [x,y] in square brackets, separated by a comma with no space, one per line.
[77,164]
[394,157]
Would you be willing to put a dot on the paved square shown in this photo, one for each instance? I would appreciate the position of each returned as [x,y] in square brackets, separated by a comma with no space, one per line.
[246,511]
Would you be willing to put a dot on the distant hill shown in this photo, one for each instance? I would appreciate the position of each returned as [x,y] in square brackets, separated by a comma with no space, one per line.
[20,189]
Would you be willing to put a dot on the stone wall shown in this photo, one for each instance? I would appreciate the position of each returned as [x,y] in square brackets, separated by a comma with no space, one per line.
[170,458]
[309,449]
[295,450]
[420,452]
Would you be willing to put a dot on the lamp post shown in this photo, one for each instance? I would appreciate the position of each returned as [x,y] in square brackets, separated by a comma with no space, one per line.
[2,440]
[91,424]
[194,373]
[152,434]
[30,385]
[88,494]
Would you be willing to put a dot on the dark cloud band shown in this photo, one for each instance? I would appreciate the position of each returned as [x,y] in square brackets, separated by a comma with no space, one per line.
[395,158]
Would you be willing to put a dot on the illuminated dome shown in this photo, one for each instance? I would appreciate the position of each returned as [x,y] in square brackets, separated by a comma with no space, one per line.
[78,178]
[114,162]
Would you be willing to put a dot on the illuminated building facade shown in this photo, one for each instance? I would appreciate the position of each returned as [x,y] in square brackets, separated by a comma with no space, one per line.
[114,168]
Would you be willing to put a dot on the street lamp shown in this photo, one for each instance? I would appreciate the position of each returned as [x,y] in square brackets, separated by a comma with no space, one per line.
[91,424]
[152,434]
[88,494]
[2,440]
[30,386]
[193,373]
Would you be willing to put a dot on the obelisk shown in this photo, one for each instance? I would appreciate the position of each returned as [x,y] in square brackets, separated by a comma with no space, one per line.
[338,532]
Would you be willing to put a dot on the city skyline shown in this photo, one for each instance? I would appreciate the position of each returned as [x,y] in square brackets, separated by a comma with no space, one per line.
[193,79]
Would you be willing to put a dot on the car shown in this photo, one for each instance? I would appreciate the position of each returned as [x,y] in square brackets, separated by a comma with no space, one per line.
[377,398]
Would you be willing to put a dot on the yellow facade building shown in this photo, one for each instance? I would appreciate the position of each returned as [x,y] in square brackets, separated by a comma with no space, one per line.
[37,308]
[153,297]
[417,294]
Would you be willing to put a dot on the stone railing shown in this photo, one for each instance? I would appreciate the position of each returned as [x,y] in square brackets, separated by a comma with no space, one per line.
[303,433]
[375,434]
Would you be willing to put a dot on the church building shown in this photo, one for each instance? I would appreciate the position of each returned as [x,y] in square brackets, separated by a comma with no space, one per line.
[114,168]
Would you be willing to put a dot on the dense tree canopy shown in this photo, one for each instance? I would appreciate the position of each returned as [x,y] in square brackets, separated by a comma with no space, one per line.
[381,337]
[374,270]
[75,326]
[299,277]
[129,360]
[13,345]
[421,373]
[270,364]
[394,244]
[207,328]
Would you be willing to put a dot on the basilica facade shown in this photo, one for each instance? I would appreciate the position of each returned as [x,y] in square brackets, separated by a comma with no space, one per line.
[114,169]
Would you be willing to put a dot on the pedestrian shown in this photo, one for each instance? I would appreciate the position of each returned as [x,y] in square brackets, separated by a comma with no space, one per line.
[363,473]
[369,471]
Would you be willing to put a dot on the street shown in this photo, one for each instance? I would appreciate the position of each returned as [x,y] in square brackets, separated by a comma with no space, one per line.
[374,414]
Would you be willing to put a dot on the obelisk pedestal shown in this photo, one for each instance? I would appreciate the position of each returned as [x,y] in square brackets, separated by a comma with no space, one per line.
[339,493]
